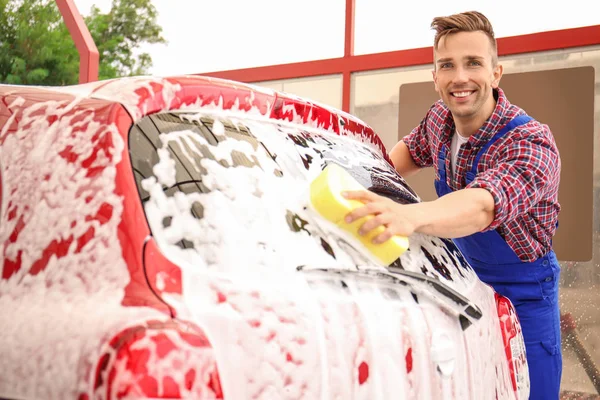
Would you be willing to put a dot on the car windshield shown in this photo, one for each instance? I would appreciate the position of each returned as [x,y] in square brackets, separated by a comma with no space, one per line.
[230,193]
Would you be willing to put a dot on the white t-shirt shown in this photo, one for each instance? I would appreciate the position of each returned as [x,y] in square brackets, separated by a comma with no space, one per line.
[457,141]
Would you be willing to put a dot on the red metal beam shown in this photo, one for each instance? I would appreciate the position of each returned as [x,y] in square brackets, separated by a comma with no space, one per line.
[283,71]
[349,29]
[544,41]
[88,52]
[348,52]
[551,40]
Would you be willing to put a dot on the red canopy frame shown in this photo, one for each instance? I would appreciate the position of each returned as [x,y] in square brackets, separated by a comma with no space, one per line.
[349,63]
[88,52]
[346,65]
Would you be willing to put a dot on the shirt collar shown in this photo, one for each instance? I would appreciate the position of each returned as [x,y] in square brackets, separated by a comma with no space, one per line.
[495,122]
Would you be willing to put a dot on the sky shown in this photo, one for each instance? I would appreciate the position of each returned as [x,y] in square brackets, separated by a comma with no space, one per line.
[207,36]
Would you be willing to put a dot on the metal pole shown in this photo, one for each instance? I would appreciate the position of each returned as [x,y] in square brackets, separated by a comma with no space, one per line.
[88,52]
[348,52]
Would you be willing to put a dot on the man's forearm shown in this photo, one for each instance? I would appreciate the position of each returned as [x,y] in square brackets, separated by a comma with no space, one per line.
[456,214]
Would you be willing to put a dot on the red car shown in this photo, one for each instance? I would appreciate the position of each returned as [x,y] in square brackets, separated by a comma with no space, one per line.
[156,242]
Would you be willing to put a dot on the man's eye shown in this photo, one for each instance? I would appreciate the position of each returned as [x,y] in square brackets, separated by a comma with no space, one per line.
[446,65]
[474,63]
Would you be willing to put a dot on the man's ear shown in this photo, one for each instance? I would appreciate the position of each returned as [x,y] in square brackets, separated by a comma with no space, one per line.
[497,75]
[437,89]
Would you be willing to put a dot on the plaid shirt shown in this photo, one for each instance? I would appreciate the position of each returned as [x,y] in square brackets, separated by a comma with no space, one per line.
[521,171]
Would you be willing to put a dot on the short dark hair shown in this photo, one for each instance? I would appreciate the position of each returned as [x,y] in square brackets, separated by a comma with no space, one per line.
[470,21]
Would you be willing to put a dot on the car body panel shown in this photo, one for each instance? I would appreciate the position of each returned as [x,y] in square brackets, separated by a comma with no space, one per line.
[234,279]
[84,262]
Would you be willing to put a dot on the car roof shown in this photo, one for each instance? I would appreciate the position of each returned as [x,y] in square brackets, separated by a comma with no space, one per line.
[145,95]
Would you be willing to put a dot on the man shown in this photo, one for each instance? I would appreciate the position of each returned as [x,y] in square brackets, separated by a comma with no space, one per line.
[497,174]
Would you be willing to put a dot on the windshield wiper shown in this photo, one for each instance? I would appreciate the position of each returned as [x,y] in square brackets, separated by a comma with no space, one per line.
[467,312]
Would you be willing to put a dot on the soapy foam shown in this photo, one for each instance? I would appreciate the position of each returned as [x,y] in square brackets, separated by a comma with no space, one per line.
[52,325]
[135,93]
[167,365]
[332,352]
[252,201]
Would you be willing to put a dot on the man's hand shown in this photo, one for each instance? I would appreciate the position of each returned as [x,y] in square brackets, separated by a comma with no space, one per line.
[454,215]
[396,218]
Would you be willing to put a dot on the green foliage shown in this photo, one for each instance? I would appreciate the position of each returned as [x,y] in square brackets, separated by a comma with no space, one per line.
[36,47]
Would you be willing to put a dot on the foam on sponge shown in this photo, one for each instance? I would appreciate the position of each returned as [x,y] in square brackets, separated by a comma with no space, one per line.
[326,198]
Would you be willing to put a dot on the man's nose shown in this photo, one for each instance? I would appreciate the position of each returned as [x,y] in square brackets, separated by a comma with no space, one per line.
[460,76]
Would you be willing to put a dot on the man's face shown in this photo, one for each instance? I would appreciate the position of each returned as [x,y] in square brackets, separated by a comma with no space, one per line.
[465,74]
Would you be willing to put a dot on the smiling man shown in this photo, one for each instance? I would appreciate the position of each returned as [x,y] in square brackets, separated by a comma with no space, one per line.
[497,178]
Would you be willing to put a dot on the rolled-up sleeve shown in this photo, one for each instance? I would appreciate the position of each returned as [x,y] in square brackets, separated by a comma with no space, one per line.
[418,144]
[526,171]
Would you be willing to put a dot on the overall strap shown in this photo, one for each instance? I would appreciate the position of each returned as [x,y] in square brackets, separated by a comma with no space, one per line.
[515,122]
[442,162]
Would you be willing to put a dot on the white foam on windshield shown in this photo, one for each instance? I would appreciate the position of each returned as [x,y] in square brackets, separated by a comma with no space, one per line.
[302,337]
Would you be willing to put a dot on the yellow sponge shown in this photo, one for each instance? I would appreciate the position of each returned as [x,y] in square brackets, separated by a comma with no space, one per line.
[326,198]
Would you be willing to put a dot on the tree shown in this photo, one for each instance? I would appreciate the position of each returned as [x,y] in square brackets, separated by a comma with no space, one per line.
[36,47]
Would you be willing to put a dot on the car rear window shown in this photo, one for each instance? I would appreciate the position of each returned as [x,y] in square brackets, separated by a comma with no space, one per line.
[230,192]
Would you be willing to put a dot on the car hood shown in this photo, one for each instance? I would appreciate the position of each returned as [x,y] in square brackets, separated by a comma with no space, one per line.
[338,334]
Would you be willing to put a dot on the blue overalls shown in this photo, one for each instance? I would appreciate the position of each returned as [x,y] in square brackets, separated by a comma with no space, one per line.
[532,287]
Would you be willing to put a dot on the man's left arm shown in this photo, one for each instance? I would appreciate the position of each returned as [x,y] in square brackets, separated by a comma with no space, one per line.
[457,214]
[526,170]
